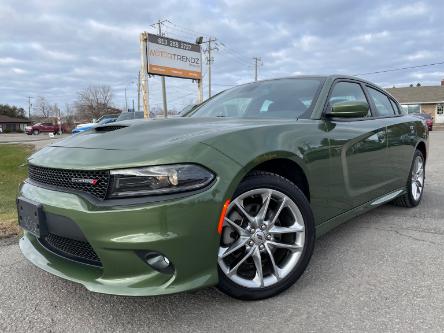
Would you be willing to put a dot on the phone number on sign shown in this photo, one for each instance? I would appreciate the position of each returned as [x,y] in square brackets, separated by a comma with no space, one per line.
[174,43]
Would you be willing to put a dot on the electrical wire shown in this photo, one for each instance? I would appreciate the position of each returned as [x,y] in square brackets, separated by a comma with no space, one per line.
[401,68]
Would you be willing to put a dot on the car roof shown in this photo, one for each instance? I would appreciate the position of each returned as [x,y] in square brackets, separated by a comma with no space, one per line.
[321,77]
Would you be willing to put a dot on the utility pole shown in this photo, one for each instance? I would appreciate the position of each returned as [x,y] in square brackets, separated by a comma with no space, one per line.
[165,109]
[29,107]
[138,91]
[210,60]
[143,74]
[126,102]
[133,105]
[257,62]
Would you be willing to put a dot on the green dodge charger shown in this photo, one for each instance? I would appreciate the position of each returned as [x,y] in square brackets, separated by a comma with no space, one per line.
[232,194]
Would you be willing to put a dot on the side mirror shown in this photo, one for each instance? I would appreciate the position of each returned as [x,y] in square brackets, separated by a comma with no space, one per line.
[349,109]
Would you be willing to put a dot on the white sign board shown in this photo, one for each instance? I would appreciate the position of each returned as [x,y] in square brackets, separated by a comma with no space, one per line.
[172,57]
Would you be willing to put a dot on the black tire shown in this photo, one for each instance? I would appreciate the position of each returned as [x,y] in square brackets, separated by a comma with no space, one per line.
[35,132]
[261,179]
[407,200]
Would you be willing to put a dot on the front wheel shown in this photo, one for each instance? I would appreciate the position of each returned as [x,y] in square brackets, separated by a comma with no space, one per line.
[267,237]
[415,183]
[36,132]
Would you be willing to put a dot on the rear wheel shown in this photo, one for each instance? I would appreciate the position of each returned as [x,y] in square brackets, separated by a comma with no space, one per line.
[415,183]
[267,237]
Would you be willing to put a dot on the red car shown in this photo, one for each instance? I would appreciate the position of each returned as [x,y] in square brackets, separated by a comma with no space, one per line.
[43,127]
[427,119]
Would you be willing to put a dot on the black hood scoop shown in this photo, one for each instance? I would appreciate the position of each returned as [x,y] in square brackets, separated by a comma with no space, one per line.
[109,128]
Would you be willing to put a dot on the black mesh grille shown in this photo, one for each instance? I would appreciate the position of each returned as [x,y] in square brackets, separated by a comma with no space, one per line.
[70,248]
[80,180]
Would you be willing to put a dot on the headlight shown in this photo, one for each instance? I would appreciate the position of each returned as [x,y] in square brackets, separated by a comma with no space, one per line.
[157,180]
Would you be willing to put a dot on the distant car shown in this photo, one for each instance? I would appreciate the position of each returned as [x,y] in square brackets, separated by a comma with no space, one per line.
[87,127]
[427,118]
[130,115]
[38,128]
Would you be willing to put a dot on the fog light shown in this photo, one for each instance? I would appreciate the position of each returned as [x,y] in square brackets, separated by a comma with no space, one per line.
[157,262]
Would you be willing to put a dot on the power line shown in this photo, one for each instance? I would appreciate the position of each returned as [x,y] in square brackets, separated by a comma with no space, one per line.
[401,68]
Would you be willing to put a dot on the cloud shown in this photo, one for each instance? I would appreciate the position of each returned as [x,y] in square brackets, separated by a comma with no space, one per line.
[56,48]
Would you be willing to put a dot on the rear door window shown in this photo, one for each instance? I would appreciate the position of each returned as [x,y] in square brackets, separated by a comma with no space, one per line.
[382,103]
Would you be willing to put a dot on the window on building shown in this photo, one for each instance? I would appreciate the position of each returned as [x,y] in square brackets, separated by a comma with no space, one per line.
[411,108]
[440,109]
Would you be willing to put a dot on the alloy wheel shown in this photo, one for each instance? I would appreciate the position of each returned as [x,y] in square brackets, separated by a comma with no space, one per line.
[417,178]
[262,239]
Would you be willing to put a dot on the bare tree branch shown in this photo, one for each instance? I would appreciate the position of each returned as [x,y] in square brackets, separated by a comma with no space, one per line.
[94,101]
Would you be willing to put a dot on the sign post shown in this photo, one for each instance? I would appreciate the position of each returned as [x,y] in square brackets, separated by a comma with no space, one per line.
[144,74]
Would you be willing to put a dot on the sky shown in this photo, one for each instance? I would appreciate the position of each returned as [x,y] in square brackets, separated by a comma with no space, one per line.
[56,48]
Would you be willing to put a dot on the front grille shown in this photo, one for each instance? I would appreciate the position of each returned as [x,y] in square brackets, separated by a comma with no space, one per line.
[80,180]
[70,248]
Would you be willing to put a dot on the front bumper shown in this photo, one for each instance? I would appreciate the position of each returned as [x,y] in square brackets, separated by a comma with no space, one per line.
[184,230]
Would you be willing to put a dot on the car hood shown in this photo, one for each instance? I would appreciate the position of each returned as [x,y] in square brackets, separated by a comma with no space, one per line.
[141,134]
[129,143]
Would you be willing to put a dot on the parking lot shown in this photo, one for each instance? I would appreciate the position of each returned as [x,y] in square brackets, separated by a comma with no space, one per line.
[39,141]
[380,272]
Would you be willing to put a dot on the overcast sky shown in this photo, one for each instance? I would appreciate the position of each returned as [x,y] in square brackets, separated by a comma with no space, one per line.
[56,48]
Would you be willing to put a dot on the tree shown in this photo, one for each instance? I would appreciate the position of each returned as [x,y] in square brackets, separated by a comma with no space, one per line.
[41,107]
[12,111]
[94,101]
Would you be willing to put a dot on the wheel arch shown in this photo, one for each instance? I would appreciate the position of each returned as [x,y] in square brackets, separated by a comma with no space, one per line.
[421,146]
[283,164]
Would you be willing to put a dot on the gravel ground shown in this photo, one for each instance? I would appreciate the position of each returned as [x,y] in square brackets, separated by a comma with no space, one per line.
[380,272]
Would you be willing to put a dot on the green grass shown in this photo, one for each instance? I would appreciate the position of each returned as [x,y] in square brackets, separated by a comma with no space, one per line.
[12,173]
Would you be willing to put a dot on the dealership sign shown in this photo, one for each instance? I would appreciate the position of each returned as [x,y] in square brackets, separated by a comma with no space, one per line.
[172,57]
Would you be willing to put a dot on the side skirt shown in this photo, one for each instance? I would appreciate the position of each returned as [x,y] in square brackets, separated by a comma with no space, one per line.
[334,222]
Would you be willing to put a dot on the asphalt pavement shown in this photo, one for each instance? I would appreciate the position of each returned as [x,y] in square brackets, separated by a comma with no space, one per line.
[380,272]
[39,141]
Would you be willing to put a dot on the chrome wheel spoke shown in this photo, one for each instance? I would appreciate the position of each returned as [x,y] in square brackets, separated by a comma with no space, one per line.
[263,211]
[259,277]
[273,263]
[286,230]
[291,247]
[241,231]
[243,211]
[282,205]
[235,246]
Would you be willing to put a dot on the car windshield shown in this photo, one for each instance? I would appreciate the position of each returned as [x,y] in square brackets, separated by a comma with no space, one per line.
[106,121]
[130,115]
[283,98]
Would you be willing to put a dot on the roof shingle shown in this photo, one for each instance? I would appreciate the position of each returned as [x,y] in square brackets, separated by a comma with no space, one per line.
[423,94]
[7,119]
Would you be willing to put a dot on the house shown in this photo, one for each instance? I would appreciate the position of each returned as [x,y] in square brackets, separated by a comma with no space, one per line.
[9,124]
[422,99]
